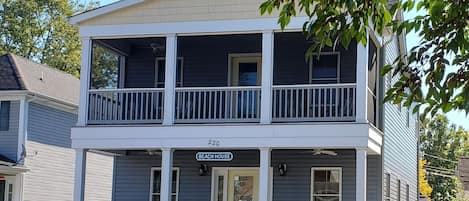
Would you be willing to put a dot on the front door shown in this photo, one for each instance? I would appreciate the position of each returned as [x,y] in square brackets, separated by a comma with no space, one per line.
[242,184]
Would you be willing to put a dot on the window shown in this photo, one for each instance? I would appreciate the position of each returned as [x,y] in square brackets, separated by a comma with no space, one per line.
[326,184]
[10,192]
[4,115]
[160,70]
[407,195]
[325,68]
[387,186]
[156,184]
[398,190]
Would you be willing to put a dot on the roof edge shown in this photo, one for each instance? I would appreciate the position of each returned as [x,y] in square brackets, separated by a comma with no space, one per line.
[102,10]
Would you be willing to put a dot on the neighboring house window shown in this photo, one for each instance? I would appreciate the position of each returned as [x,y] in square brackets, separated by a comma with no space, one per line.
[325,68]
[156,184]
[326,184]
[160,72]
[10,192]
[398,190]
[4,115]
[407,193]
[387,187]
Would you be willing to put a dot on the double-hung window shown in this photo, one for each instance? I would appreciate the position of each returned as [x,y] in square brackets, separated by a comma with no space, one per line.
[156,184]
[325,68]
[326,184]
[4,115]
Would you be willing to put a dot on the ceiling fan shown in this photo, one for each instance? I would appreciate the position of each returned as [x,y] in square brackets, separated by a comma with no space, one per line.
[324,151]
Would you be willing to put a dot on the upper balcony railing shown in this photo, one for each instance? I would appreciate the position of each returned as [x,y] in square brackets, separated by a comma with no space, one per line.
[290,103]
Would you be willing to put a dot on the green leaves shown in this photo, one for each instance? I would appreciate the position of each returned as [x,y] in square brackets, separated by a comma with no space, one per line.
[433,75]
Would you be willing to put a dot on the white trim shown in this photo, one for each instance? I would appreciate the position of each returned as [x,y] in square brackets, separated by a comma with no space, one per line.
[324,53]
[325,168]
[22,129]
[361,174]
[122,67]
[80,174]
[103,10]
[180,59]
[86,52]
[362,83]
[189,28]
[264,173]
[294,136]
[267,76]
[153,169]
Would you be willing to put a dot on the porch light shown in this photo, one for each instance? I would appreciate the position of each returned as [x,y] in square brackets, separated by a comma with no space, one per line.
[282,168]
[203,169]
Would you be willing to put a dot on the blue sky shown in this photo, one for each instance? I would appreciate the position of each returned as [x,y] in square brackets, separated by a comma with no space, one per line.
[456,117]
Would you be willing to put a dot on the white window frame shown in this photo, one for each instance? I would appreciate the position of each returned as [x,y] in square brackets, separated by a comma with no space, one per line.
[180,59]
[153,169]
[326,168]
[310,75]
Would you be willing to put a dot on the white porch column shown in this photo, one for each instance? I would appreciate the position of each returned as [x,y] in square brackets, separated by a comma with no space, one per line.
[170,79]
[166,174]
[264,174]
[362,83]
[80,172]
[86,45]
[361,177]
[267,76]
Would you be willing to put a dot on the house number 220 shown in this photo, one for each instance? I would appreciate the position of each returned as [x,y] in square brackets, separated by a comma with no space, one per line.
[214,143]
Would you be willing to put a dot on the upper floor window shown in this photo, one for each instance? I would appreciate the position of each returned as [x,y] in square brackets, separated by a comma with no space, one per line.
[104,68]
[160,72]
[326,184]
[387,187]
[4,115]
[324,68]
[155,190]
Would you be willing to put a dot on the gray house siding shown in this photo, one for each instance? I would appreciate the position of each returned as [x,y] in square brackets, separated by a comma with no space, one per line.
[9,139]
[206,58]
[132,174]
[400,140]
[50,158]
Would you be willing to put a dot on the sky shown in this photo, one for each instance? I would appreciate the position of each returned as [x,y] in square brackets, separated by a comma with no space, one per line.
[457,117]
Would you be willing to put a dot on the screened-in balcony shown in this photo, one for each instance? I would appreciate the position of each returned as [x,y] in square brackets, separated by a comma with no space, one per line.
[218,79]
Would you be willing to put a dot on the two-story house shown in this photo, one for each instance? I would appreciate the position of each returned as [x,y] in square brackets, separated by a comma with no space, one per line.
[207,100]
[38,107]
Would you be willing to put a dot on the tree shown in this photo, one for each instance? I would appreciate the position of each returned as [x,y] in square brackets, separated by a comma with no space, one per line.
[444,29]
[424,187]
[39,30]
[442,144]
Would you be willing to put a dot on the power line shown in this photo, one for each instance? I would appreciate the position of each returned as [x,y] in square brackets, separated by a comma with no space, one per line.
[439,168]
[440,158]
[442,175]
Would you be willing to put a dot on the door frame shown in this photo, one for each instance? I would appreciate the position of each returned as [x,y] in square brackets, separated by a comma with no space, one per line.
[231,56]
[213,187]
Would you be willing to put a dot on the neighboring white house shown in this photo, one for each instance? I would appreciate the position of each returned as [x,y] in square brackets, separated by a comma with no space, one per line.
[208,100]
[38,106]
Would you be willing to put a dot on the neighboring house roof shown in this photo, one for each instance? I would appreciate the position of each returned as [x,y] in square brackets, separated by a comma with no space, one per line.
[463,173]
[6,160]
[18,73]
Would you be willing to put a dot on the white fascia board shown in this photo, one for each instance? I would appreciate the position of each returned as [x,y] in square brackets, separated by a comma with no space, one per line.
[281,136]
[189,28]
[103,10]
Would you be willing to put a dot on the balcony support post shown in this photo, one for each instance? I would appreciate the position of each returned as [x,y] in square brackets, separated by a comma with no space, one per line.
[86,45]
[80,172]
[267,76]
[361,177]
[264,173]
[361,93]
[170,79]
[166,174]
